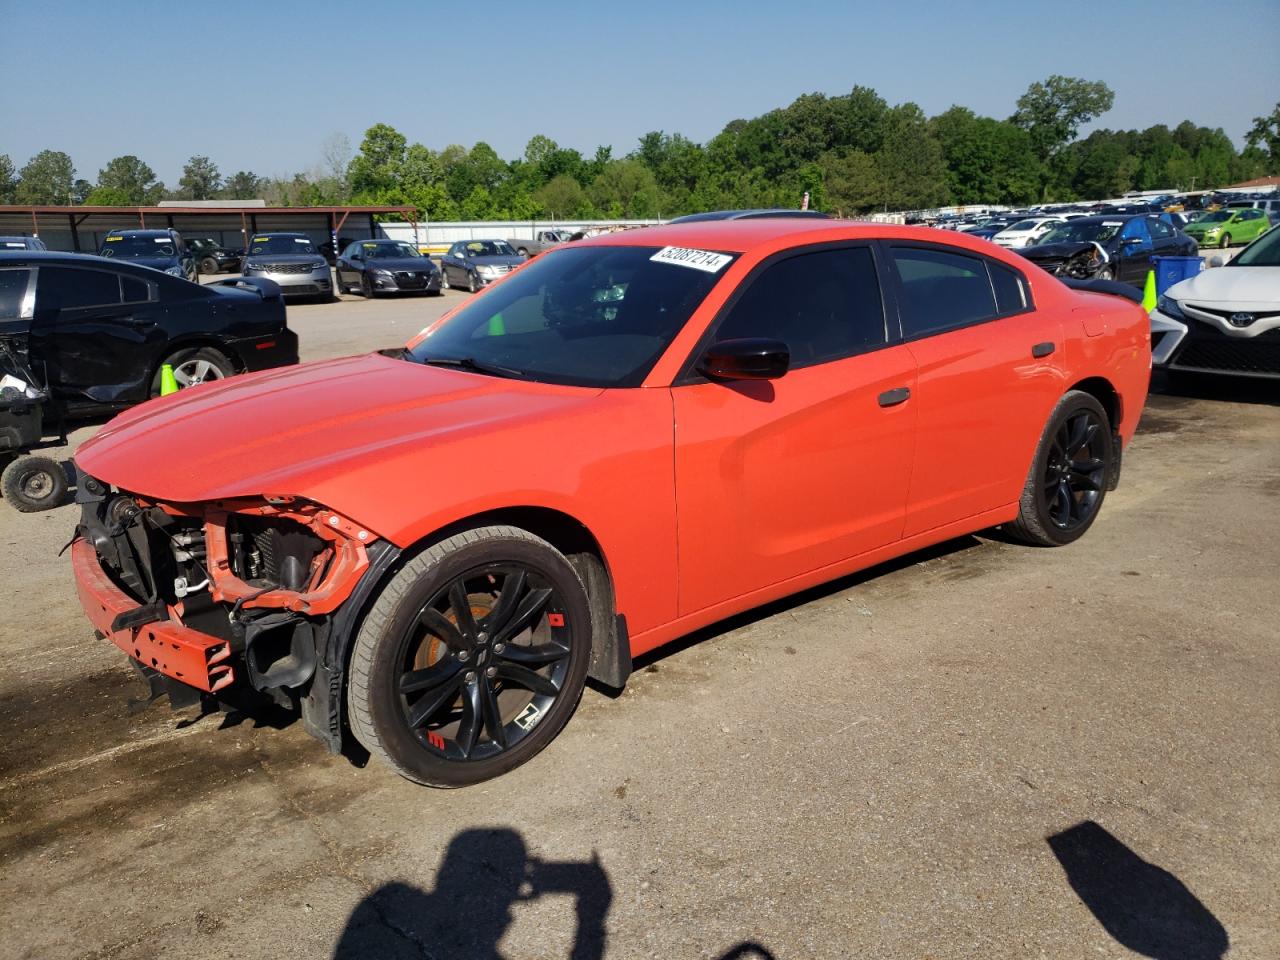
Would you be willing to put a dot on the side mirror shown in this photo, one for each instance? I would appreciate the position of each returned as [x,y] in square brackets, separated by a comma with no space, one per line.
[754,358]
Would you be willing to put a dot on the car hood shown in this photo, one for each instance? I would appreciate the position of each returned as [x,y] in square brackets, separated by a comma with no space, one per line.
[502,261]
[414,264]
[295,430]
[286,258]
[1055,251]
[1244,288]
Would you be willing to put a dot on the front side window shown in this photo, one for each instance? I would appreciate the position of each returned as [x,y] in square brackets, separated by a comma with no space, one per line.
[65,288]
[823,305]
[585,316]
[941,291]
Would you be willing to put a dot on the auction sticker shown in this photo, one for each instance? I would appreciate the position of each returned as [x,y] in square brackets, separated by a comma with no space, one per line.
[703,260]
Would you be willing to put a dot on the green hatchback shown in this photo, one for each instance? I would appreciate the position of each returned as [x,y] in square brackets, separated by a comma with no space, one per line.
[1226,228]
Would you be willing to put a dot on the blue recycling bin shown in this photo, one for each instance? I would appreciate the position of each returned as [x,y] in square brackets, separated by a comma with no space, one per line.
[1171,270]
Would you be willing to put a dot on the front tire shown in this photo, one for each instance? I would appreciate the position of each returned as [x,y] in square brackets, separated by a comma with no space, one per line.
[32,484]
[366,288]
[472,658]
[472,283]
[1068,478]
[209,266]
[1105,273]
[1226,241]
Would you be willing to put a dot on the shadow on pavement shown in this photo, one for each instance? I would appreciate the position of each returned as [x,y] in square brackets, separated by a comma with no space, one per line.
[484,873]
[1223,388]
[1145,908]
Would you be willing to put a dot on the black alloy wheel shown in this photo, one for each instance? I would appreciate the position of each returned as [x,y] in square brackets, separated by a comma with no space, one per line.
[484,660]
[1075,472]
[366,288]
[472,658]
[1069,475]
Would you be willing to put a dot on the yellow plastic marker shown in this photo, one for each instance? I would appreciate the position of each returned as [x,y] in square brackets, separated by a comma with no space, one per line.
[497,326]
[1149,292]
[168,383]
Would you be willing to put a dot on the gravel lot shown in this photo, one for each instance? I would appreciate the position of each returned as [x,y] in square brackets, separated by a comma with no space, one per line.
[984,750]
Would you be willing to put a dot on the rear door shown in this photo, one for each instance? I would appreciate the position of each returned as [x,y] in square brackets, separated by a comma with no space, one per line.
[776,478]
[989,374]
[96,331]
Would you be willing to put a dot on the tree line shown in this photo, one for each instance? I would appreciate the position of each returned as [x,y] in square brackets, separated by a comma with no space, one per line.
[852,154]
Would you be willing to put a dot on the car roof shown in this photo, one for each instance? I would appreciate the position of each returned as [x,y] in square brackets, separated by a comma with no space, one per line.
[740,236]
[148,232]
[281,233]
[761,213]
[53,258]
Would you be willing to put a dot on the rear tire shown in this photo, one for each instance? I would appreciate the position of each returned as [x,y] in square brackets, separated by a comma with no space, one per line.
[449,698]
[1067,482]
[195,366]
[32,484]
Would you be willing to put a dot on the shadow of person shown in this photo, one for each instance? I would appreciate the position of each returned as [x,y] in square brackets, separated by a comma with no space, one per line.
[483,874]
[1143,907]
[747,950]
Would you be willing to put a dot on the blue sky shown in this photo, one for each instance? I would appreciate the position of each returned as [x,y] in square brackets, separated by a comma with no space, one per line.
[269,82]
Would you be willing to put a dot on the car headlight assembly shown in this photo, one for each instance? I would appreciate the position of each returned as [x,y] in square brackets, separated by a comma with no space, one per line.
[1169,307]
[175,271]
[385,274]
[485,271]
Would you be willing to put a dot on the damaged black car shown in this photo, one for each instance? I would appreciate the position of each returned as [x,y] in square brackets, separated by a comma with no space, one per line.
[1114,247]
[99,331]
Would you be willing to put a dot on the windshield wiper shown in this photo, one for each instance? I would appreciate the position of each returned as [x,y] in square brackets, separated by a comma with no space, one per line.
[479,366]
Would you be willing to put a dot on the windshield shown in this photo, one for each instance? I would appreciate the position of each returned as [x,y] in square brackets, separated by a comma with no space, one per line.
[1022,225]
[131,247]
[1099,231]
[485,248]
[281,244]
[389,251]
[586,316]
[1263,252]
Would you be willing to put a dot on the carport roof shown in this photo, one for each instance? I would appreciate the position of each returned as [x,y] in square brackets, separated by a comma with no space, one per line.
[23,209]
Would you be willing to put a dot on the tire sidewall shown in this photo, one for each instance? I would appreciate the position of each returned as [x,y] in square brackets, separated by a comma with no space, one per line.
[1070,405]
[405,596]
[18,470]
[179,357]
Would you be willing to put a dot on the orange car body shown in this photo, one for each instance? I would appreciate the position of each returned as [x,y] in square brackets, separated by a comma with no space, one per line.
[705,498]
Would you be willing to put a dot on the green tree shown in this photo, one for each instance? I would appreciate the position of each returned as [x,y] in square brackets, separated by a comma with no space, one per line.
[109,197]
[562,198]
[8,179]
[243,185]
[130,178]
[1053,111]
[46,179]
[852,182]
[80,191]
[200,179]
[911,162]
[626,189]
[1264,135]
[988,160]
[375,169]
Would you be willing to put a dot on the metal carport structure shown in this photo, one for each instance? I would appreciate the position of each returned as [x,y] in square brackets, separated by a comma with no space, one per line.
[81,228]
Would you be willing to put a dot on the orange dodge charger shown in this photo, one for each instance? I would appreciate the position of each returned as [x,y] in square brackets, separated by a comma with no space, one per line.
[431,548]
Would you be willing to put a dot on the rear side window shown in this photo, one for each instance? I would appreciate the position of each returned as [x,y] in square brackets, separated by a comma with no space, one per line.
[134,290]
[1160,230]
[1010,289]
[61,288]
[13,287]
[823,305]
[942,291]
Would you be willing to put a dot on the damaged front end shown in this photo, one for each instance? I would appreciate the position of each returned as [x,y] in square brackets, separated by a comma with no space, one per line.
[234,599]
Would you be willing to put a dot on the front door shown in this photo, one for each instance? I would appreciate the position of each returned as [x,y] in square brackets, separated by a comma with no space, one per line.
[777,478]
[1135,251]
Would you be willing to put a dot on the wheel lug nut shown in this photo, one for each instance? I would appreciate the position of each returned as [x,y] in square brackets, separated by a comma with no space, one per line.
[471,675]
[491,672]
[464,655]
[499,647]
[482,637]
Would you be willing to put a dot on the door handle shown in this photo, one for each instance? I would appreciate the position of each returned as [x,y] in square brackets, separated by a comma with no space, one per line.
[891,398]
[1042,349]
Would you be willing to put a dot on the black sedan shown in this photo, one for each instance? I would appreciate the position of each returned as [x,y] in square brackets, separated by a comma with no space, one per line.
[1109,247]
[385,266]
[102,329]
[477,263]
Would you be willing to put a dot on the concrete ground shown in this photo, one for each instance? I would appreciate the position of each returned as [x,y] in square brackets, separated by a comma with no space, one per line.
[985,750]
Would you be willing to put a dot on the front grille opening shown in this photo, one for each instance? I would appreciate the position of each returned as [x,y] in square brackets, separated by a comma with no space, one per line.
[274,552]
